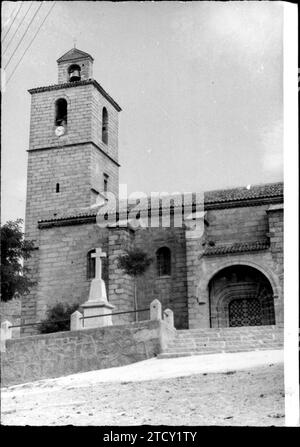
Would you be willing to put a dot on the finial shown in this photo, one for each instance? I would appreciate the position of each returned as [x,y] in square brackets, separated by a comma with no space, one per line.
[74,40]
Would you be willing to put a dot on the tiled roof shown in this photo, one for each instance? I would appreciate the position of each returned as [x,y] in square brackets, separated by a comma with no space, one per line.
[212,199]
[244,193]
[73,55]
[236,248]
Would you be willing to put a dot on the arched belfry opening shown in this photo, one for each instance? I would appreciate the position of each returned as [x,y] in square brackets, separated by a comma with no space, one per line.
[61,112]
[74,73]
[241,295]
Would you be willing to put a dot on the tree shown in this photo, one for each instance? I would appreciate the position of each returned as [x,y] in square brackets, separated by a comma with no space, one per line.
[134,263]
[14,249]
[58,318]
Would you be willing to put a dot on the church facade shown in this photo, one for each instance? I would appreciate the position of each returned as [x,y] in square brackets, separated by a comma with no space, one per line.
[217,259]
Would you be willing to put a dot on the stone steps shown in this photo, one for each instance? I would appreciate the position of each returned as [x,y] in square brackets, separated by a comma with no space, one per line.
[220,340]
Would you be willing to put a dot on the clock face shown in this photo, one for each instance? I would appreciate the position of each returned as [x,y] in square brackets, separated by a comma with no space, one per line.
[59,131]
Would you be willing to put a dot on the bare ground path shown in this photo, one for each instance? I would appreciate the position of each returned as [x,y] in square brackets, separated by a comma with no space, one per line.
[231,395]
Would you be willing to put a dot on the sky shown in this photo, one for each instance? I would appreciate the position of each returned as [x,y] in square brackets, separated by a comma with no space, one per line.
[199,83]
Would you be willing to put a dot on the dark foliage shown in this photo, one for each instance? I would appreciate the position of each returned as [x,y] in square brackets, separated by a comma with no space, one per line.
[58,318]
[14,249]
[134,262]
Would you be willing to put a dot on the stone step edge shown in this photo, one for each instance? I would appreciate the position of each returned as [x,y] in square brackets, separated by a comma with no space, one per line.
[191,353]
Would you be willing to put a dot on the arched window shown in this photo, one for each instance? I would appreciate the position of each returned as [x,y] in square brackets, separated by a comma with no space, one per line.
[104,125]
[74,73]
[91,264]
[163,259]
[61,112]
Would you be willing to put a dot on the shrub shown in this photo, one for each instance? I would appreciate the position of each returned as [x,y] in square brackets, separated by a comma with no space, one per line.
[58,318]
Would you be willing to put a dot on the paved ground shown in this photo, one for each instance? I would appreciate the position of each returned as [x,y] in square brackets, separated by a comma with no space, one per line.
[220,389]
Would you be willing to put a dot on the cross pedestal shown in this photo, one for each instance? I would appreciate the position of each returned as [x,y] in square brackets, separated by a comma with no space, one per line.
[97,303]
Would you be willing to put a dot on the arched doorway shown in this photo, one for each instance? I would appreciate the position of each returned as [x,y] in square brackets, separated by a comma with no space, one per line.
[240,295]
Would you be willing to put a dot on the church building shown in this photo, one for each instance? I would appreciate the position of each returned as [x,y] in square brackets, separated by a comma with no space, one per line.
[221,267]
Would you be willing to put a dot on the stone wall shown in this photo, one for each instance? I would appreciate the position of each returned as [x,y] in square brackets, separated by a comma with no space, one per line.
[42,122]
[242,224]
[98,102]
[55,355]
[245,224]
[121,286]
[169,290]
[62,269]
[275,215]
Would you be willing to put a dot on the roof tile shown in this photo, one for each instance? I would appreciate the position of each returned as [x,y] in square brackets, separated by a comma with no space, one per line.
[210,198]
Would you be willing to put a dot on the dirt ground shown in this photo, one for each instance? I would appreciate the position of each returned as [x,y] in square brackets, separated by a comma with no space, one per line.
[253,397]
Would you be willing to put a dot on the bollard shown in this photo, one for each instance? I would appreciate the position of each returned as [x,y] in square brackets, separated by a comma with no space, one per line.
[169,317]
[76,321]
[155,310]
[6,334]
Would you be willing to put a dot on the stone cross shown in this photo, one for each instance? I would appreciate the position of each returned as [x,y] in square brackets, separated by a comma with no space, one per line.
[98,268]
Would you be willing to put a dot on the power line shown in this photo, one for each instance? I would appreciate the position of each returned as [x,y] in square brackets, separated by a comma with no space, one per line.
[20,41]
[12,22]
[31,41]
[24,17]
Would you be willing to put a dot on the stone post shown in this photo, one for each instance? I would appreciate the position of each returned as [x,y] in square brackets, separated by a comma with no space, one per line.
[76,321]
[155,310]
[6,334]
[169,317]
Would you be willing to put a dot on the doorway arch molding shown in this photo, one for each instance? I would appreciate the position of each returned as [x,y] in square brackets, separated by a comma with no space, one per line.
[241,261]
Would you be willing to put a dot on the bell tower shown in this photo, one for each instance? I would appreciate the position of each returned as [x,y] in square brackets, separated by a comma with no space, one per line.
[73,144]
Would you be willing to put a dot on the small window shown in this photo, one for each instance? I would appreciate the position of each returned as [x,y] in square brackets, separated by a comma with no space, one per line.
[163,259]
[91,265]
[104,125]
[105,182]
[61,112]
[57,187]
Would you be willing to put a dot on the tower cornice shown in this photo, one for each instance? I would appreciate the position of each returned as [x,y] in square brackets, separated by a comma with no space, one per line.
[80,144]
[77,84]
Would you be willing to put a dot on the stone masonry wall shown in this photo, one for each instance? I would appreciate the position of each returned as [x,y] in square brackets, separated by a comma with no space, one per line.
[100,165]
[71,168]
[62,353]
[171,290]
[68,166]
[275,215]
[62,268]
[243,224]
[42,120]
[121,286]
[97,104]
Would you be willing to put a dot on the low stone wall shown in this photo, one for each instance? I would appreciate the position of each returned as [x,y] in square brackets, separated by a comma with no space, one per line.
[62,353]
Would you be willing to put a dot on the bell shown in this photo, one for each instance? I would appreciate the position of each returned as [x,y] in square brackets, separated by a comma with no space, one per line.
[75,76]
